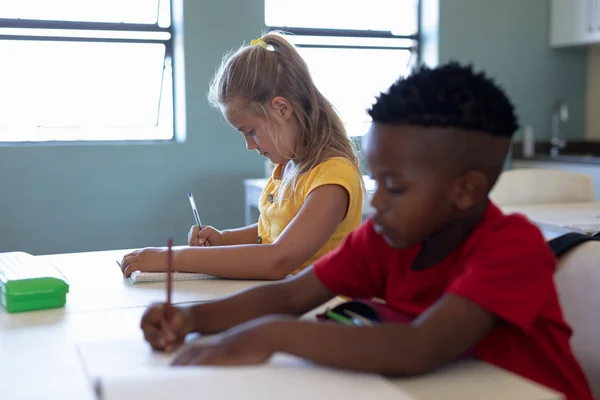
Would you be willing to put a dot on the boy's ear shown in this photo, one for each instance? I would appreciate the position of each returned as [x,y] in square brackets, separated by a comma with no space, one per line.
[282,107]
[470,189]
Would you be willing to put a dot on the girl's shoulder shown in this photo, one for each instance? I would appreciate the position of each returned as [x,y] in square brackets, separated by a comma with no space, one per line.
[333,170]
[333,163]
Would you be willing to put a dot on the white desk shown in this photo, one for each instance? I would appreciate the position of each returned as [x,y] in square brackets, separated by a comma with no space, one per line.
[39,356]
[557,219]
[96,283]
[254,187]
[40,360]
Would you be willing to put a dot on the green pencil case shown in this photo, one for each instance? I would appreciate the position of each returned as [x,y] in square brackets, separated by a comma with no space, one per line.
[28,283]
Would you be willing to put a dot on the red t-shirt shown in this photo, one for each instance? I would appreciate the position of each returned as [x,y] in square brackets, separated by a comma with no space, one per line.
[505,266]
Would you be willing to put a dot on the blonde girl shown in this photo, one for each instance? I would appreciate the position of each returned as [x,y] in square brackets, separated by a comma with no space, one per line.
[313,198]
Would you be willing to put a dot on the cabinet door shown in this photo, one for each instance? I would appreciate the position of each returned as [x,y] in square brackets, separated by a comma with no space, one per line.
[595,20]
[592,22]
[570,21]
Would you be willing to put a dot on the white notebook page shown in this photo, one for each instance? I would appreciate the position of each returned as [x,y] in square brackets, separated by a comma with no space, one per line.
[129,369]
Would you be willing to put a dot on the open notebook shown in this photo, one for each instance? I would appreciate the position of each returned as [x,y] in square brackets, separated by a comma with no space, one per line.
[146,277]
[129,369]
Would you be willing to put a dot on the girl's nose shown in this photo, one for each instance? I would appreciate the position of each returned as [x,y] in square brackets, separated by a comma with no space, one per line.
[250,144]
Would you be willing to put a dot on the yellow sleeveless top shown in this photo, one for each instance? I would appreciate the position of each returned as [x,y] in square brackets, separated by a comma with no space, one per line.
[275,216]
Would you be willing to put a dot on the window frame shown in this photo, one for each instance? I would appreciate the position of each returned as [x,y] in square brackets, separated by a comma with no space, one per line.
[416,38]
[88,26]
[354,33]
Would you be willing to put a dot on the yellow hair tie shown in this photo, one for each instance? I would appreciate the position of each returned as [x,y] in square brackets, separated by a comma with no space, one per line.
[259,42]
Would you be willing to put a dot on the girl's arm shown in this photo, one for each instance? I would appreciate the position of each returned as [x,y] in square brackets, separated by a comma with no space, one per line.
[214,237]
[321,213]
[245,235]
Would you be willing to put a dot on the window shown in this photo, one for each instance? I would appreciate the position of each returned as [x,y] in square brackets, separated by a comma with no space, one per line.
[355,49]
[85,70]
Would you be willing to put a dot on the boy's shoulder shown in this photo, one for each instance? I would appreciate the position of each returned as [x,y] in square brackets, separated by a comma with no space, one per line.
[507,267]
[510,237]
[501,227]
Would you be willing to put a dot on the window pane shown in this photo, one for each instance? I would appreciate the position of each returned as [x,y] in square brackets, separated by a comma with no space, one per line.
[128,11]
[398,16]
[80,86]
[351,78]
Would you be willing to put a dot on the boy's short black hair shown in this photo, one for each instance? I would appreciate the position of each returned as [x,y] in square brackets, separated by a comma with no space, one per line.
[449,96]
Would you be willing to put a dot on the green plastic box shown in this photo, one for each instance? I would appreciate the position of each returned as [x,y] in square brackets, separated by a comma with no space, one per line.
[28,283]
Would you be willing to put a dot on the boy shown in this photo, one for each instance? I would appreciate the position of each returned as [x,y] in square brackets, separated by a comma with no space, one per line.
[437,250]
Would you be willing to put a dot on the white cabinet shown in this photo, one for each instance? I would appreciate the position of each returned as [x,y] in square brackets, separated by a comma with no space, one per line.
[574,22]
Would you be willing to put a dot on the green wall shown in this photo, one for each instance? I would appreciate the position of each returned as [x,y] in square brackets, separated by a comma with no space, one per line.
[509,40]
[69,198]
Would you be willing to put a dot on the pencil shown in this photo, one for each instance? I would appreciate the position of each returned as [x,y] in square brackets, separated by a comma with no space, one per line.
[195,210]
[339,318]
[196,215]
[357,317]
[169,279]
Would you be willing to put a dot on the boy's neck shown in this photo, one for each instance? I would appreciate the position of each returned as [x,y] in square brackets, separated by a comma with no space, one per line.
[440,245]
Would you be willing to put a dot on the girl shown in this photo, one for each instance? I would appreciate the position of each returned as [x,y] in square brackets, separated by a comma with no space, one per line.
[314,196]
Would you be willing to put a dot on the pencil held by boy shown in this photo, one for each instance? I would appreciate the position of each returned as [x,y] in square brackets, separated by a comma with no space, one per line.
[459,277]
[312,201]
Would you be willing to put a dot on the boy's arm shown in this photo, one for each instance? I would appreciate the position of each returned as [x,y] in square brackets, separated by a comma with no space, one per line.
[295,296]
[507,279]
[246,235]
[450,328]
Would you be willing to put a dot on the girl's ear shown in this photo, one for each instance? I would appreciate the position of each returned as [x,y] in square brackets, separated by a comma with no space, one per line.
[282,107]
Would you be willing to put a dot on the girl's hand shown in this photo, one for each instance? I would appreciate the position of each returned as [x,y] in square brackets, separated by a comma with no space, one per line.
[207,236]
[150,259]
[246,344]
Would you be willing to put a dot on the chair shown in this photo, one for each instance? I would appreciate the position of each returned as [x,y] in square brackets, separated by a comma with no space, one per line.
[578,285]
[541,186]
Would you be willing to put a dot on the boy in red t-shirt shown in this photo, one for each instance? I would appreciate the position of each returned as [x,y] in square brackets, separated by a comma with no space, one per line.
[466,277]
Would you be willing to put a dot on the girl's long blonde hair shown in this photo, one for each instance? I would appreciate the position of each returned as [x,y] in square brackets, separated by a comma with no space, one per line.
[255,74]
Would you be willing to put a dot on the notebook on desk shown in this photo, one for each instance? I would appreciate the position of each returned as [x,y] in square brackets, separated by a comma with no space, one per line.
[148,277]
[129,369]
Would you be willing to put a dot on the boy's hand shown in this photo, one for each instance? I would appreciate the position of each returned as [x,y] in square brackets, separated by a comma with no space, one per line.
[166,335]
[247,344]
[207,236]
[150,259]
